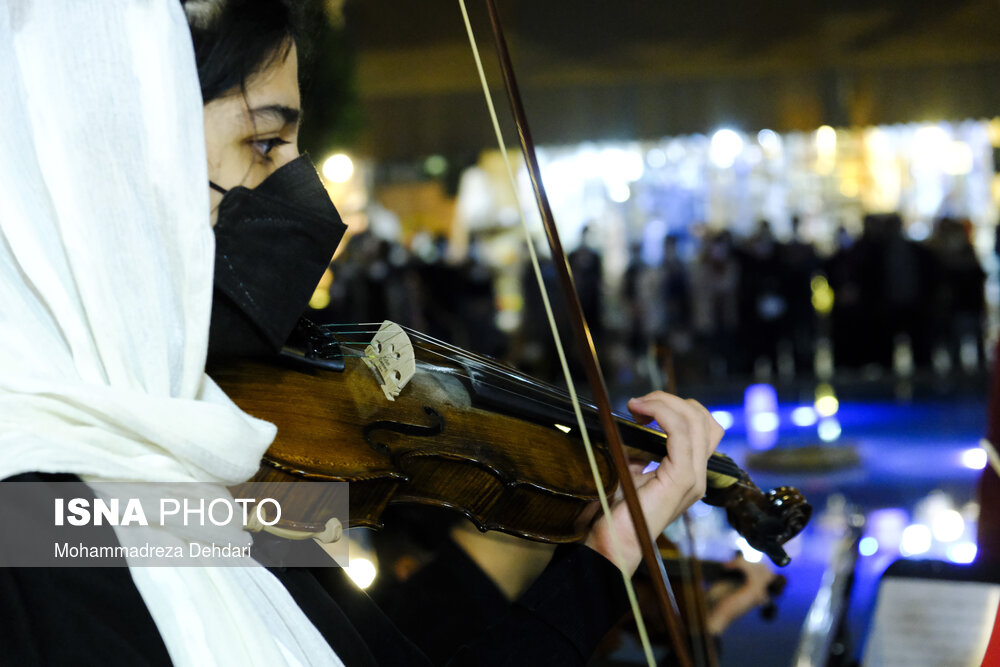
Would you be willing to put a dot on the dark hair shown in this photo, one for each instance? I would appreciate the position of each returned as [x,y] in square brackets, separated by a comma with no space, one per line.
[236,39]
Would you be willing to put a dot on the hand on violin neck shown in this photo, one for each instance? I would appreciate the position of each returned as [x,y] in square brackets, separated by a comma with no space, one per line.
[675,485]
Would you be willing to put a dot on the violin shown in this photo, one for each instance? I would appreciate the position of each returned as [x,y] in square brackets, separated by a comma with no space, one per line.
[714,572]
[678,567]
[404,418]
[693,601]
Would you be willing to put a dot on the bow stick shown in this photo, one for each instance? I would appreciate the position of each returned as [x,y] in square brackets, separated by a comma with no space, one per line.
[664,596]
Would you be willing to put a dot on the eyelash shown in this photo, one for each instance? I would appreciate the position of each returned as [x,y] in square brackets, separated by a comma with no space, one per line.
[264,146]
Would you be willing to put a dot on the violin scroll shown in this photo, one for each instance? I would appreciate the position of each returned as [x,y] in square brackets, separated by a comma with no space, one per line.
[765,520]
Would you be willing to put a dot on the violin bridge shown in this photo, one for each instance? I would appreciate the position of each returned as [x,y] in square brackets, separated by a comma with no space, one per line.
[390,356]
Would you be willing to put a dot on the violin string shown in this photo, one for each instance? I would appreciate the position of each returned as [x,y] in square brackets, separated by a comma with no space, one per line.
[485,364]
[561,399]
[464,374]
[493,370]
[498,369]
[508,373]
[482,360]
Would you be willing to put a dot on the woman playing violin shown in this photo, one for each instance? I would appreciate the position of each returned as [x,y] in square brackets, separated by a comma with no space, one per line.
[110,271]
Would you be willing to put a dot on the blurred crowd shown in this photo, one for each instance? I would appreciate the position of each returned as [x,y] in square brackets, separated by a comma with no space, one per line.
[712,306]
[759,306]
[375,280]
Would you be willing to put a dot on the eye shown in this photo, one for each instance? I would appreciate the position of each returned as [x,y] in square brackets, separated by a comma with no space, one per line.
[263,147]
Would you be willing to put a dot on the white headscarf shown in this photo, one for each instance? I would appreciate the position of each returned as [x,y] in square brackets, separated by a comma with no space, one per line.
[106,264]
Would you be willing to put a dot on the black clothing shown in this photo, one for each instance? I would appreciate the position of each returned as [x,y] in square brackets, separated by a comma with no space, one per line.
[579,596]
[95,616]
[451,581]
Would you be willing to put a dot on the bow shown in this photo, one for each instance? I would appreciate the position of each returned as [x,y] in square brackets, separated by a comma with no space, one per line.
[581,331]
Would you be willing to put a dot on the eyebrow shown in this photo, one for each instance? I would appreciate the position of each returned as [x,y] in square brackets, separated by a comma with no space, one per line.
[287,115]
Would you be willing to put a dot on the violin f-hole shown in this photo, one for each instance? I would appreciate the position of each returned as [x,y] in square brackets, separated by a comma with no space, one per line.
[414,430]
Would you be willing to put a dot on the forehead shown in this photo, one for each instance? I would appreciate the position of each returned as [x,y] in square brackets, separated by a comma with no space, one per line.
[274,88]
[278,83]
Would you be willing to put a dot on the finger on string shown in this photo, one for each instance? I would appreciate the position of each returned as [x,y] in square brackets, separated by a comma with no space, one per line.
[671,413]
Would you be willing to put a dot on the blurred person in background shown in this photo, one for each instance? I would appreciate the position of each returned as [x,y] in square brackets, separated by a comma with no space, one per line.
[763,301]
[800,263]
[958,297]
[847,316]
[715,306]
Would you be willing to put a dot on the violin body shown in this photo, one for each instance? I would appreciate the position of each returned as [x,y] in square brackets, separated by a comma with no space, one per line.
[430,444]
[424,422]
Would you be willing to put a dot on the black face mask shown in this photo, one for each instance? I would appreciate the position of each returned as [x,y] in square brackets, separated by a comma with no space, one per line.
[272,244]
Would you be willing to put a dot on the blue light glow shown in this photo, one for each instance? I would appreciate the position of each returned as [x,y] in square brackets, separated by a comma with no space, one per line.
[828,429]
[764,422]
[724,418]
[760,404]
[886,526]
[760,398]
[868,546]
[804,416]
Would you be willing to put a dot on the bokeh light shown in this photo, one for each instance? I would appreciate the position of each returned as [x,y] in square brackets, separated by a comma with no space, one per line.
[916,540]
[975,458]
[804,416]
[828,429]
[750,554]
[726,146]
[338,168]
[826,401]
[962,552]
[724,418]
[868,546]
[947,526]
[764,421]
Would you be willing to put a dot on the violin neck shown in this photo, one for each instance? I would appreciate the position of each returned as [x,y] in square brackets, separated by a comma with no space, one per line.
[521,396]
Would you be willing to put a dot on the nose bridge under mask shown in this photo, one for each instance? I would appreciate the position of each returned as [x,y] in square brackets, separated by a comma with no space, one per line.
[301,158]
[294,184]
